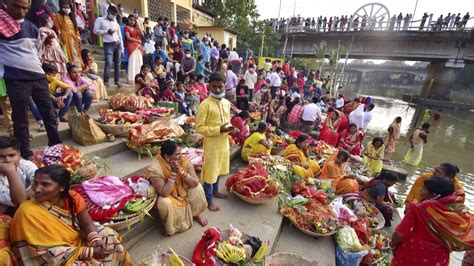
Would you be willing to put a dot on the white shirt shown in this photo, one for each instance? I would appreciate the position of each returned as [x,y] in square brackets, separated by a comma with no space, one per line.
[275,80]
[340,103]
[250,79]
[233,56]
[311,112]
[101,27]
[26,172]
[149,47]
[367,118]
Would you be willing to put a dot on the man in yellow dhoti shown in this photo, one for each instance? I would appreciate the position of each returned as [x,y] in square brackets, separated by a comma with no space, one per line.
[212,122]
[298,154]
[181,196]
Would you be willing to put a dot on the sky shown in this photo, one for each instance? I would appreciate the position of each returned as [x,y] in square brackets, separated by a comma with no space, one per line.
[313,8]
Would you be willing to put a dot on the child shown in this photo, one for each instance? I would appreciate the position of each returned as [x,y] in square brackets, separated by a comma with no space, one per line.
[82,89]
[91,71]
[201,88]
[144,84]
[373,156]
[242,91]
[166,94]
[212,121]
[159,71]
[192,94]
[180,95]
[16,176]
[60,91]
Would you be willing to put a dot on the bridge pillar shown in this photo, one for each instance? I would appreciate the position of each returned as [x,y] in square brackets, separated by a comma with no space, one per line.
[439,81]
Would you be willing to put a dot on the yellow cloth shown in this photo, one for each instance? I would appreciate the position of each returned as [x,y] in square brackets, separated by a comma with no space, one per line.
[70,38]
[6,255]
[415,154]
[43,234]
[374,165]
[184,203]
[415,190]
[54,84]
[212,114]
[253,147]
[100,92]
[344,186]
[294,154]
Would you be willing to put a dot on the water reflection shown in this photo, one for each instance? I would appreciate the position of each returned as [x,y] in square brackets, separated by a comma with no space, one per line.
[451,140]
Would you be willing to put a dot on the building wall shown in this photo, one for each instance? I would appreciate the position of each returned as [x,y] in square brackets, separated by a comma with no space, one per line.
[230,39]
[220,35]
[201,19]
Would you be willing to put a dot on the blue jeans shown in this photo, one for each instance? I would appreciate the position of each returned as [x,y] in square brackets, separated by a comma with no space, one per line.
[67,103]
[209,189]
[35,111]
[83,100]
[113,54]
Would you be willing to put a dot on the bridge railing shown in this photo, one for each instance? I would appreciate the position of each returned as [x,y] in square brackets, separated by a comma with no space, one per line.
[372,25]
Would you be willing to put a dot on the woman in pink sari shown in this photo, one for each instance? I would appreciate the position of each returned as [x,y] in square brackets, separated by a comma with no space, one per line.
[350,139]
[133,43]
[329,132]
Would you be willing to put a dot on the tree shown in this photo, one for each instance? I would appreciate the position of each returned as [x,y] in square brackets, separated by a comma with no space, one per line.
[320,52]
[243,17]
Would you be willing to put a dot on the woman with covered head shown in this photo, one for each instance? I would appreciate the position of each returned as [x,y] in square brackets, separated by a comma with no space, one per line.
[298,154]
[258,143]
[434,227]
[181,196]
[392,137]
[54,228]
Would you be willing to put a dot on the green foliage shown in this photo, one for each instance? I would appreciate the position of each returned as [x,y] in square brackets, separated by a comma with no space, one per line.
[243,17]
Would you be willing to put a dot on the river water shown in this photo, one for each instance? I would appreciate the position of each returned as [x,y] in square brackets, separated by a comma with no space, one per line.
[451,140]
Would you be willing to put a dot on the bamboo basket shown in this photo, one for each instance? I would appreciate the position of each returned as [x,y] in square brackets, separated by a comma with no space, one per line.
[313,233]
[276,150]
[87,171]
[149,150]
[287,259]
[252,200]
[122,222]
[117,130]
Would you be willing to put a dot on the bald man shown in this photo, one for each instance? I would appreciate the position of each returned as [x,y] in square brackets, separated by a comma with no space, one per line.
[20,67]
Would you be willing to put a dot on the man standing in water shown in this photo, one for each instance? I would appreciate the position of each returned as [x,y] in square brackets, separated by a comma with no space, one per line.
[213,122]
[416,140]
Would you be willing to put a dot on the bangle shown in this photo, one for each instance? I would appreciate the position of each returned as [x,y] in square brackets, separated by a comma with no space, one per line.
[172,180]
[91,235]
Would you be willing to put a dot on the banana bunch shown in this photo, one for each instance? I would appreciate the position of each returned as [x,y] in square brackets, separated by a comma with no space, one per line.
[262,251]
[135,205]
[230,253]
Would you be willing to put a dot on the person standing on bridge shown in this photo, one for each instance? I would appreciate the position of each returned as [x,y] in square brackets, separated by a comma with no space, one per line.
[391,26]
[330,24]
[349,22]
[465,19]
[399,20]
[406,22]
[381,22]
[355,25]
[423,21]
[325,20]
[446,21]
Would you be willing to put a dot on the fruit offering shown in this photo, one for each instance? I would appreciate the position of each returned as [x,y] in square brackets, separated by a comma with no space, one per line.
[109,116]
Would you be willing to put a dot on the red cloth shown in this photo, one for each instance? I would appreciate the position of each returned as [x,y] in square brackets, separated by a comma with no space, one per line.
[202,90]
[8,25]
[204,253]
[132,46]
[344,121]
[351,140]
[242,132]
[258,85]
[167,95]
[300,82]
[419,247]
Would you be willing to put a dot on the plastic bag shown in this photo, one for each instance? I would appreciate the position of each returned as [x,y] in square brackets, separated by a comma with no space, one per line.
[342,212]
[347,240]
[349,259]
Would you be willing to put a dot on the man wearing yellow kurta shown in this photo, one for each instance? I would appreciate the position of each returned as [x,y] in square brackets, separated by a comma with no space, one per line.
[445,170]
[303,166]
[213,122]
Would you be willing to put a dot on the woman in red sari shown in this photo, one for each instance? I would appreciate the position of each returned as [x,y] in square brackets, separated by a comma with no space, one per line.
[329,132]
[350,139]
[433,228]
[133,43]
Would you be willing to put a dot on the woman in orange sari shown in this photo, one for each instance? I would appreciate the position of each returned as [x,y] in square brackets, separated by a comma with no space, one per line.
[392,137]
[54,228]
[66,26]
[181,196]
[329,132]
[433,228]
[332,169]
[350,140]
[298,154]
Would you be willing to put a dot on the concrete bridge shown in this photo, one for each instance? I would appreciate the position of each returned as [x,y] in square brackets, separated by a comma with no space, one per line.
[365,68]
[445,50]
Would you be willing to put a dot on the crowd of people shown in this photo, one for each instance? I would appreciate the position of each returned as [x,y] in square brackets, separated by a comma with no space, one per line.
[360,23]
[209,81]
